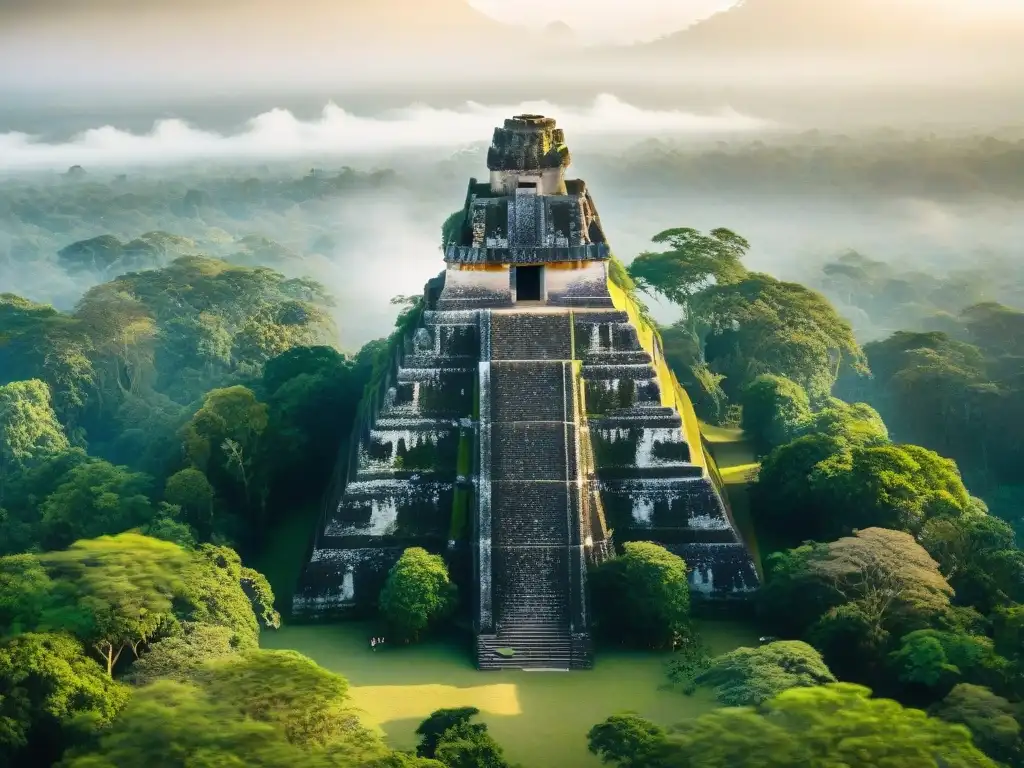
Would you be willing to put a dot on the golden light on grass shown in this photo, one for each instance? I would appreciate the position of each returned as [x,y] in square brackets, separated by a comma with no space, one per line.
[382,703]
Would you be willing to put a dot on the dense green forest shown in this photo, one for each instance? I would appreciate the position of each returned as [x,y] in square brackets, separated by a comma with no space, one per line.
[62,232]
[154,435]
[885,161]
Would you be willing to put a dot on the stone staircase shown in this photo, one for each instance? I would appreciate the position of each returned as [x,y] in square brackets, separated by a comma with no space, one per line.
[534,501]
[535,647]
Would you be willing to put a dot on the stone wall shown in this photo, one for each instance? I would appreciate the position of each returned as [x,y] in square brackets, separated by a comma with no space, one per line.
[471,288]
[402,468]
[653,484]
[467,254]
[583,285]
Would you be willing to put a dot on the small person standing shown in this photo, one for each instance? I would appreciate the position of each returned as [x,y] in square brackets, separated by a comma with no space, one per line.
[373,643]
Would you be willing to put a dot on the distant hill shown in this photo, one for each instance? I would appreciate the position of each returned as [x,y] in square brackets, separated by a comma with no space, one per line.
[837,27]
[436,21]
[560,32]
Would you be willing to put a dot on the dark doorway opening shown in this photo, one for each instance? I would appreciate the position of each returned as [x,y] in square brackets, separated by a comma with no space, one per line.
[528,283]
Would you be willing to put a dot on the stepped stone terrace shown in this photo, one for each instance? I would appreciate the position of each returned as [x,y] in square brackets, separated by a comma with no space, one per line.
[525,422]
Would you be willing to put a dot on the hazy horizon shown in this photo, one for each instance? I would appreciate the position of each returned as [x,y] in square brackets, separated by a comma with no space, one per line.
[156,49]
[220,95]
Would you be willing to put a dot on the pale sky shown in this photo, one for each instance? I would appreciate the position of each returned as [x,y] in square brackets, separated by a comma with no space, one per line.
[631,20]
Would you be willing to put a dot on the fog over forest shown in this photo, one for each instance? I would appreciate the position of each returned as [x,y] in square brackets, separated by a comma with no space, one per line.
[367,221]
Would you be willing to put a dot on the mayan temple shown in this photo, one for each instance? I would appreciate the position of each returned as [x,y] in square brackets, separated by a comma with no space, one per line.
[527,415]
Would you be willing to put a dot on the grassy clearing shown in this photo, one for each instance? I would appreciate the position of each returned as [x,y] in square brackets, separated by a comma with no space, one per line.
[541,718]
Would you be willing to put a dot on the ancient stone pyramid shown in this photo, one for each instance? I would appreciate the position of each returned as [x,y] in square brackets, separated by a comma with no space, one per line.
[525,415]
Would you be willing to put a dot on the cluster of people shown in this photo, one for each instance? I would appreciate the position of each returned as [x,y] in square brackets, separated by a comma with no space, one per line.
[375,641]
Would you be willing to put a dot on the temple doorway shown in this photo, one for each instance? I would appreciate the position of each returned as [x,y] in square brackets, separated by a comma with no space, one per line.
[529,282]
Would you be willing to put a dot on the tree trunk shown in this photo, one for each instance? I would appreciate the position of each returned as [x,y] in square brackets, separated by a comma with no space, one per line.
[109,655]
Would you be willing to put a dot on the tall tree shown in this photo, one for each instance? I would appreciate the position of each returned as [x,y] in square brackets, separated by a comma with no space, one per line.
[858,424]
[417,594]
[449,736]
[115,592]
[774,409]
[95,499]
[28,427]
[752,675]
[628,740]
[978,555]
[763,325]
[889,575]
[823,486]
[169,723]
[836,724]
[219,590]
[38,342]
[642,597]
[992,720]
[694,263]
[306,702]
[938,660]
[53,695]
[223,440]
[191,491]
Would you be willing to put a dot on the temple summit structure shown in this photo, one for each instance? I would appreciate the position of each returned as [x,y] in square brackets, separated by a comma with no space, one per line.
[525,417]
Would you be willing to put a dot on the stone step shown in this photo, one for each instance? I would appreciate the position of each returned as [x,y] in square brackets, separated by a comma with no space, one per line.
[611,473]
[450,317]
[596,338]
[530,633]
[533,586]
[533,451]
[531,336]
[415,424]
[420,361]
[617,317]
[407,373]
[617,371]
[535,646]
[530,513]
[530,391]
[654,417]
[533,473]
[614,357]
[375,474]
